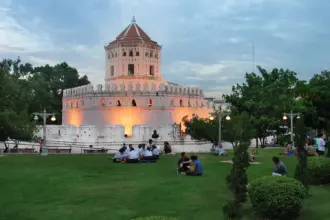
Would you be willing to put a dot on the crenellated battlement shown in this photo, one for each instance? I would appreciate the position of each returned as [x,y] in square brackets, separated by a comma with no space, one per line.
[136,89]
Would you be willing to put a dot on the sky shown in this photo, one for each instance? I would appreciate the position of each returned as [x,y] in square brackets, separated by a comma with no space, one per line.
[206,44]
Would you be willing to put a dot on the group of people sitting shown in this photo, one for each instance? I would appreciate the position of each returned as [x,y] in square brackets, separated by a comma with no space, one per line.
[189,166]
[143,153]
[313,148]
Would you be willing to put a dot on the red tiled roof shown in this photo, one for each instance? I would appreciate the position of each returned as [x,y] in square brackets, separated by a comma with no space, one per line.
[132,35]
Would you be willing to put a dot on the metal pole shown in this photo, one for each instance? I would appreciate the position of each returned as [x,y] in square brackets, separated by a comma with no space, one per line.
[44,129]
[220,122]
[291,124]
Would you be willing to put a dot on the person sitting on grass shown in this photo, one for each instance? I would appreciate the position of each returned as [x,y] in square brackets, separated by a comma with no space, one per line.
[183,163]
[279,168]
[221,151]
[132,156]
[311,151]
[119,156]
[167,148]
[252,155]
[155,152]
[147,154]
[289,151]
[196,168]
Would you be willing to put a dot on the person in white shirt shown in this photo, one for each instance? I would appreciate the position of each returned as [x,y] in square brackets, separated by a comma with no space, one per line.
[321,144]
[155,152]
[147,154]
[132,156]
[119,156]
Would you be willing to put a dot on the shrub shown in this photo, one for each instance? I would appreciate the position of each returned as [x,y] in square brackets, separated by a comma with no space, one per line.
[319,170]
[277,197]
[156,218]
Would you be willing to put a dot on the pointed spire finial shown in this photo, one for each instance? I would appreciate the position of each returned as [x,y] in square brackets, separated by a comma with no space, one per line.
[133,20]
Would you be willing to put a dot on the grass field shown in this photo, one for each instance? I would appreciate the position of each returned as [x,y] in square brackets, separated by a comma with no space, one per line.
[84,187]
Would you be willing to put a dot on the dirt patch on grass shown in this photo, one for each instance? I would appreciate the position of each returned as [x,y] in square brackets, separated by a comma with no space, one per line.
[231,162]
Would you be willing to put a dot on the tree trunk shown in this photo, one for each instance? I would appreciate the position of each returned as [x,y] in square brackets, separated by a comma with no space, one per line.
[257,142]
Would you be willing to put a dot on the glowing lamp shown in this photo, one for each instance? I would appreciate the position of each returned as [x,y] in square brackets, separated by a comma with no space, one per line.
[35,117]
[211,118]
[285,117]
[298,117]
[53,118]
[227,117]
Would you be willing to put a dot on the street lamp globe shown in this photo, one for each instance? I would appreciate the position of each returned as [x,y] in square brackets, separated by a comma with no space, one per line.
[53,118]
[285,117]
[298,117]
[35,117]
[211,118]
[227,117]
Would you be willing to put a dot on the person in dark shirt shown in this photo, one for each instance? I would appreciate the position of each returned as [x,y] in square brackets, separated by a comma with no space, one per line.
[183,163]
[279,168]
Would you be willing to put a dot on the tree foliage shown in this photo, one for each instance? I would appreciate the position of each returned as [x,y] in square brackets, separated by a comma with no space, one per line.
[26,89]
[237,179]
[265,96]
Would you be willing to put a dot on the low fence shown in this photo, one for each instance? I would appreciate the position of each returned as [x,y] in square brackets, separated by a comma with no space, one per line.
[98,148]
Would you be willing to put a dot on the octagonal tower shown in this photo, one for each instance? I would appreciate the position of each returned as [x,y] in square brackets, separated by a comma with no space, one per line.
[133,57]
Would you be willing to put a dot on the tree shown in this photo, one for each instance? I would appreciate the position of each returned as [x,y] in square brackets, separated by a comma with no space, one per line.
[265,97]
[319,95]
[237,180]
[301,171]
[15,122]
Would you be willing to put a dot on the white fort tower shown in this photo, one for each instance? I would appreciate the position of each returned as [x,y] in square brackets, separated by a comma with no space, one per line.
[135,98]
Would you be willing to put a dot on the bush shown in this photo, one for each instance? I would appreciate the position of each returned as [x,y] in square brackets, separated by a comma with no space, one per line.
[277,197]
[156,218]
[319,170]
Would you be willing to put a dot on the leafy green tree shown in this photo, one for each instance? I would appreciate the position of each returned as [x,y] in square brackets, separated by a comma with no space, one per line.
[301,171]
[265,96]
[319,95]
[243,131]
[15,121]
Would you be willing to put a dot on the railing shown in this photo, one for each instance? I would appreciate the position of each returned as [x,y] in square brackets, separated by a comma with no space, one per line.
[62,147]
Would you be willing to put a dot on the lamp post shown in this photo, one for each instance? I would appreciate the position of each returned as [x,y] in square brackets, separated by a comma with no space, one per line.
[44,116]
[221,114]
[291,115]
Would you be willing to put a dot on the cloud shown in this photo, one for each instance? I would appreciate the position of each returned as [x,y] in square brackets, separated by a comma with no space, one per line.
[207,43]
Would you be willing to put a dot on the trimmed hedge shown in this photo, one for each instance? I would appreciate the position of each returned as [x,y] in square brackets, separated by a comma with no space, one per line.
[319,170]
[156,218]
[277,197]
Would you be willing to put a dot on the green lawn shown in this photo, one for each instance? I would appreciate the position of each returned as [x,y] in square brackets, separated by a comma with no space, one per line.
[85,187]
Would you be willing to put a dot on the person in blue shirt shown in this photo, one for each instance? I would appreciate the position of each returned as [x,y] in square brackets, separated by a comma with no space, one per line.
[196,167]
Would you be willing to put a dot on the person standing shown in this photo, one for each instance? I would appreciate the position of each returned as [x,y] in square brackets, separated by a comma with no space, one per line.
[321,144]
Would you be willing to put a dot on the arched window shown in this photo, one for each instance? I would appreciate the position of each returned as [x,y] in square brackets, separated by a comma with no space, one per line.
[151,55]
[82,102]
[115,54]
[71,105]
[156,56]
[133,102]
[124,54]
[150,103]
[189,104]
[76,104]
[147,54]
[118,103]
[181,103]
[137,53]
[112,55]
[131,53]
[172,102]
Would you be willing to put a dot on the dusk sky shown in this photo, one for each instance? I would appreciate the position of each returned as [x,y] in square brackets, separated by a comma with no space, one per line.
[204,43]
